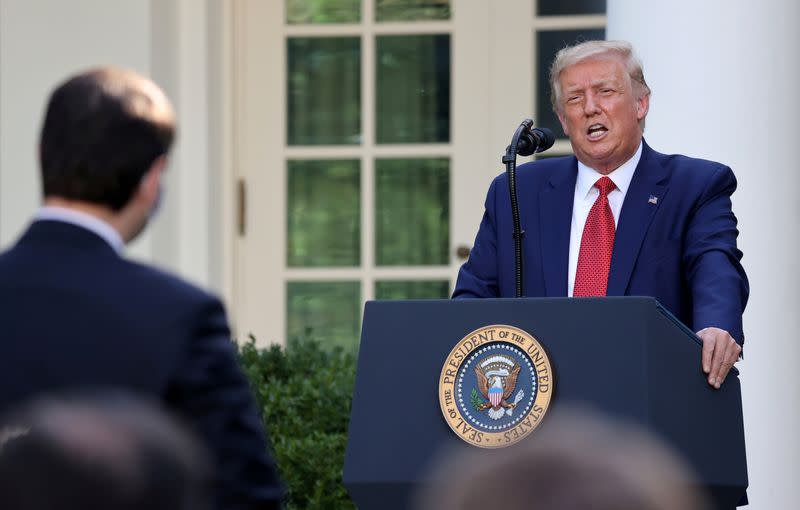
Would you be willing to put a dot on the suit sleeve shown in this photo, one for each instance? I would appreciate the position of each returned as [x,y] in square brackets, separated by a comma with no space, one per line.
[478,276]
[718,283]
[215,398]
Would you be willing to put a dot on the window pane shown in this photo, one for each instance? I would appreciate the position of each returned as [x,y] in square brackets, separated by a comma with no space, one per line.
[412,209]
[411,10]
[391,289]
[324,89]
[548,44]
[325,11]
[413,89]
[561,7]
[329,312]
[324,213]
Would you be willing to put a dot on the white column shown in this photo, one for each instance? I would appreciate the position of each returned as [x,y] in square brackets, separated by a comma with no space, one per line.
[44,41]
[41,43]
[180,66]
[724,75]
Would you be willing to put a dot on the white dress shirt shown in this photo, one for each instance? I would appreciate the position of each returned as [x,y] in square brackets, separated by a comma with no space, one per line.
[83,220]
[585,195]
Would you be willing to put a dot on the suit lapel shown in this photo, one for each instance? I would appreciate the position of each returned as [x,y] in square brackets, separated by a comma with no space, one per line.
[555,222]
[649,184]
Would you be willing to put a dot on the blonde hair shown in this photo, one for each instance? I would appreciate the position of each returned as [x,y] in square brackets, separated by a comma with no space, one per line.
[589,50]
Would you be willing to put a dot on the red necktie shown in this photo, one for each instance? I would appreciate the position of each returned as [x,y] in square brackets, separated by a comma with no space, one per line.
[597,243]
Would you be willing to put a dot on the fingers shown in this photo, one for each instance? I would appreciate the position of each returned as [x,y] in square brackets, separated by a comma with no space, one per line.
[732,352]
[720,352]
[716,360]
[708,349]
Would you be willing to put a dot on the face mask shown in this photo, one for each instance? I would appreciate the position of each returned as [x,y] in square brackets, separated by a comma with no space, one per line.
[157,204]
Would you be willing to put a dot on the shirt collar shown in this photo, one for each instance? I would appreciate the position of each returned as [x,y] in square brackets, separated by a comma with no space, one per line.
[83,220]
[621,176]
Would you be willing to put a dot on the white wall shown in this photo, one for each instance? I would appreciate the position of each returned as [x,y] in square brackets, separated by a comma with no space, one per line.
[724,75]
[41,43]
[44,41]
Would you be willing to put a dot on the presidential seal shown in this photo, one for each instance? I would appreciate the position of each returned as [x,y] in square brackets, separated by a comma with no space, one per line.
[495,386]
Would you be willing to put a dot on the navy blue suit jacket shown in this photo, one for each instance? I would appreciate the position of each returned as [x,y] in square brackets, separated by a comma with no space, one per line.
[680,249]
[75,315]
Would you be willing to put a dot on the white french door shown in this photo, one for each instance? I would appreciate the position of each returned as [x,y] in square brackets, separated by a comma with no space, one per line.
[365,135]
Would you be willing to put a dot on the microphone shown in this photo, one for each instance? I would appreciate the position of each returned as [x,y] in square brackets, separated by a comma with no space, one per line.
[526,141]
[534,140]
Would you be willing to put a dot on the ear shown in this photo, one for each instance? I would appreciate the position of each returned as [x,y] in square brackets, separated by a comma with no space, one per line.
[150,185]
[563,122]
[642,106]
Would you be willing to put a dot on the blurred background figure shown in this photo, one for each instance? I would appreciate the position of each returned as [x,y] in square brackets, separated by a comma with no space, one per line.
[76,313]
[577,461]
[100,453]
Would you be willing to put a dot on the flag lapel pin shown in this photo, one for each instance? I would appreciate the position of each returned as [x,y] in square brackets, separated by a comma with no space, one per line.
[652,200]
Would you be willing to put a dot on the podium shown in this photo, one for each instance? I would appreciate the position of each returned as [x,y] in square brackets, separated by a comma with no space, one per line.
[625,356]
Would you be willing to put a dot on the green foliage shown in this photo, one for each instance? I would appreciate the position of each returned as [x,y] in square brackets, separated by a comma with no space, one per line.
[304,392]
[412,10]
[477,402]
[323,11]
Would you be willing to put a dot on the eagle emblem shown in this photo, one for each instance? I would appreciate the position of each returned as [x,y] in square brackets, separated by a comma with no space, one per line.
[497,380]
[495,386]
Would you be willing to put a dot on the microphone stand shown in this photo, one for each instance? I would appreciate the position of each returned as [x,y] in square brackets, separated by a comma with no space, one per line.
[510,160]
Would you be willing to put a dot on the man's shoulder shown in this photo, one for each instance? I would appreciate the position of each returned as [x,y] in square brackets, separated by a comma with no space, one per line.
[540,171]
[149,278]
[692,177]
[50,255]
[685,167]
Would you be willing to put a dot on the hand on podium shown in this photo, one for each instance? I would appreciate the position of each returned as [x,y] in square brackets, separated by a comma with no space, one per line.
[720,352]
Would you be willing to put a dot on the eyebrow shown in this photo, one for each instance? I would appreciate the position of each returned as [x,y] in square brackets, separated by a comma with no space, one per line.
[593,85]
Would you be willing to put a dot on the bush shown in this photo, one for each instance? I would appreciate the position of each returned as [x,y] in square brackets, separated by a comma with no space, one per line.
[304,393]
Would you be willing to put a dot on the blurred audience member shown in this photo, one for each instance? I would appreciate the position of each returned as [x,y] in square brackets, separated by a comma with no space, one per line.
[577,461]
[100,454]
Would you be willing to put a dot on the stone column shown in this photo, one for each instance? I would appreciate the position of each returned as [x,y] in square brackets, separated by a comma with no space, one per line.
[724,75]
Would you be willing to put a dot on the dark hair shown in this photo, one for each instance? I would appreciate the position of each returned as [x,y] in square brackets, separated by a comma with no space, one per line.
[114,453]
[102,131]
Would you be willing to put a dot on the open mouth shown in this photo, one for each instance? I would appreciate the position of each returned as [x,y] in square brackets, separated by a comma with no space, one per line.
[596,131]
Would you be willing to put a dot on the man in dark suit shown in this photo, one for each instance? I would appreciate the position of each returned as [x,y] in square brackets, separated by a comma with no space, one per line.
[75,314]
[618,218]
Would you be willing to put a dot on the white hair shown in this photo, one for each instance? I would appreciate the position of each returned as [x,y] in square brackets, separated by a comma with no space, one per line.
[589,50]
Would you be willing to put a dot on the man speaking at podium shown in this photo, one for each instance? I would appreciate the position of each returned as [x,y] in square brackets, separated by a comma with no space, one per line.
[618,218]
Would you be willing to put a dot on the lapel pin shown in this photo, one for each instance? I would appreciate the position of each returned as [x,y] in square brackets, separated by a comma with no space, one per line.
[652,200]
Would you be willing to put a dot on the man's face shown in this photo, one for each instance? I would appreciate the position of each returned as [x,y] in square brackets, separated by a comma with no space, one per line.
[600,112]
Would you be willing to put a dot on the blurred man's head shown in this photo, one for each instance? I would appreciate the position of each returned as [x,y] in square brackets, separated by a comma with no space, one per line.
[105,454]
[576,461]
[103,146]
[601,98]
